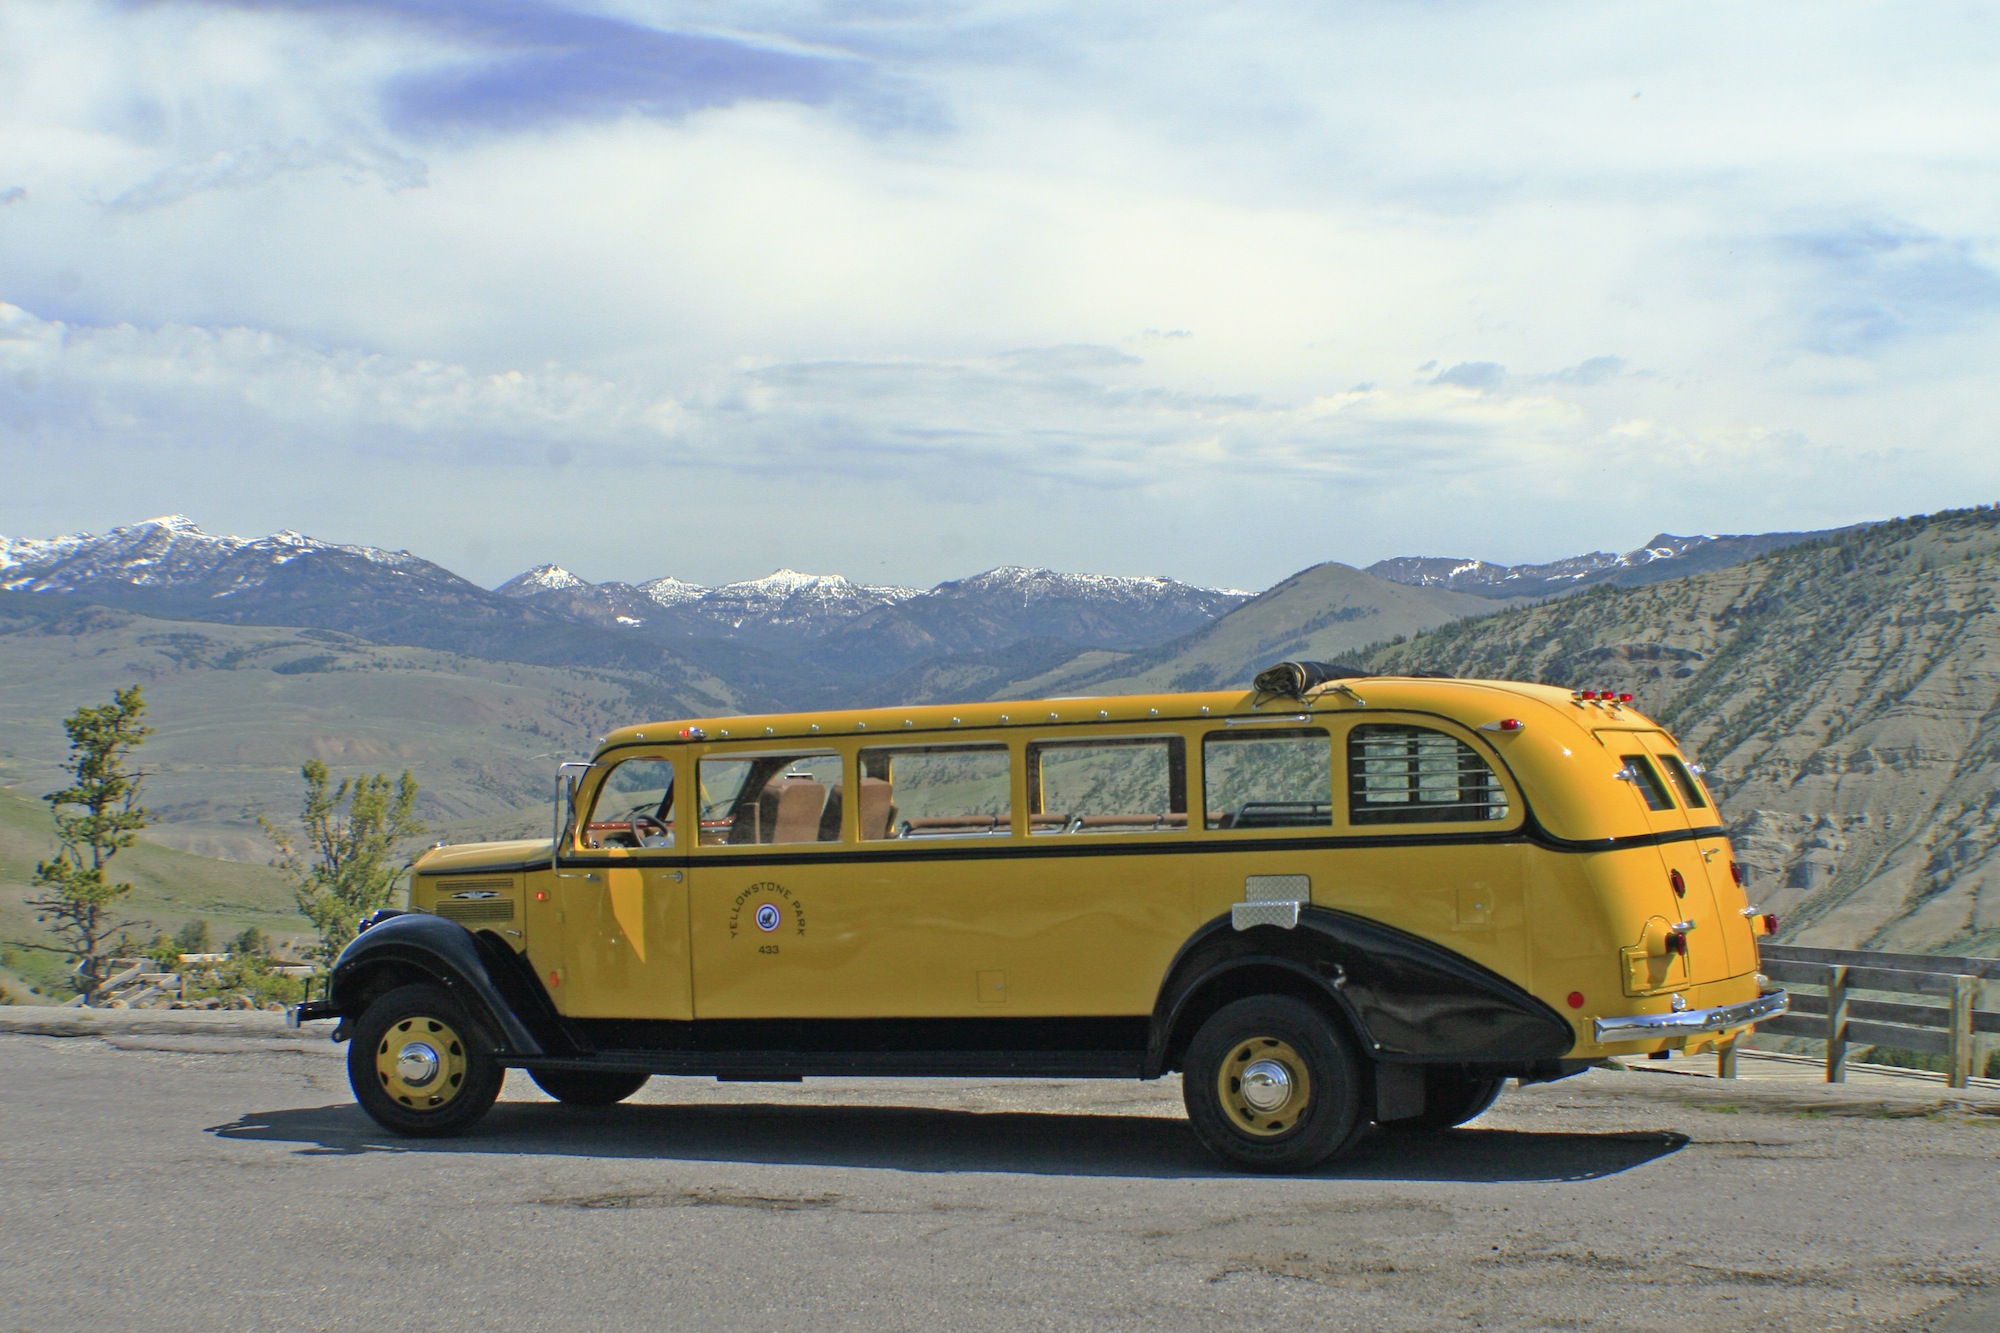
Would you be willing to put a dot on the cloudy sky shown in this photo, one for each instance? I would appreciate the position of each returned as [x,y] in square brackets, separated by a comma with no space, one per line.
[906,290]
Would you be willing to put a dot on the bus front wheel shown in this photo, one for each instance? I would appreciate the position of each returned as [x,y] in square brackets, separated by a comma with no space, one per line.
[1271,1085]
[418,1066]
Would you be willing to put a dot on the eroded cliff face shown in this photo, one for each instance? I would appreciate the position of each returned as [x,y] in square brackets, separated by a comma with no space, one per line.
[1845,696]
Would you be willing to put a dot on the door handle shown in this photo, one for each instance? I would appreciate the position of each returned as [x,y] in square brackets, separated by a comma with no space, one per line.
[674,875]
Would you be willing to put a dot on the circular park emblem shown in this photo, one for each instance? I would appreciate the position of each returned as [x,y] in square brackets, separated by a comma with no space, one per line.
[768,916]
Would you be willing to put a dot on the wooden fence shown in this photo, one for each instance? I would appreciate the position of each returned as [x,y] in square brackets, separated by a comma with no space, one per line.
[1840,1013]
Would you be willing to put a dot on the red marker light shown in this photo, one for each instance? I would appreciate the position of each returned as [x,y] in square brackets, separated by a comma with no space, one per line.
[1680,885]
[1510,724]
[1576,999]
[1677,942]
[1624,698]
[1587,695]
[1770,923]
[555,978]
[1738,873]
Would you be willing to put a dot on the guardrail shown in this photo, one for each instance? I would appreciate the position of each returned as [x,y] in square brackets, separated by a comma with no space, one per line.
[1839,1017]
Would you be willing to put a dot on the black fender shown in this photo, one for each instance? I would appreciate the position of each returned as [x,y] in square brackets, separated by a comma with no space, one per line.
[1408,999]
[443,951]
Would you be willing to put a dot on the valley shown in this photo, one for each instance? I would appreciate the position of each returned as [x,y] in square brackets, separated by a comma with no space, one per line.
[1844,687]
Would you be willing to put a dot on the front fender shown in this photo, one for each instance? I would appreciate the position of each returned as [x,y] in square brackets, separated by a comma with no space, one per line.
[441,950]
[1407,998]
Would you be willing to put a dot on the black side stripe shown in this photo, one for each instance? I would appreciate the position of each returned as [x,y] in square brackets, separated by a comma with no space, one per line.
[847,854]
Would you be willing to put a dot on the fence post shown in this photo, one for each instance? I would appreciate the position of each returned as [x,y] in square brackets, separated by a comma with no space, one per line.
[1836,1024]
[1961,1031]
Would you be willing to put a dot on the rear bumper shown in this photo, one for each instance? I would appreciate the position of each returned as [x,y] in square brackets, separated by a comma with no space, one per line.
[1691,1022]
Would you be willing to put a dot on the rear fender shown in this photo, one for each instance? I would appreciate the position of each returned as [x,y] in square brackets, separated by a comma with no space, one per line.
[1405,998]
[414,946]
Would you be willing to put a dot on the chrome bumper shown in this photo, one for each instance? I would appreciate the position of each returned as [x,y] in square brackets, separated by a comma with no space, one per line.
[1691,1022]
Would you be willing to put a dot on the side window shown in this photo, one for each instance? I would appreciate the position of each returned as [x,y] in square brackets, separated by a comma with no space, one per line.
[1108,785]
[1267,779]
[1685,781]
[1647,779]
[1413,775]
[761,799]
[634,806]
[934,791]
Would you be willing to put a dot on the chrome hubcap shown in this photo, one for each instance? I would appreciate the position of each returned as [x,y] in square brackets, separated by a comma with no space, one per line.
[417,1064]
[1267,1086]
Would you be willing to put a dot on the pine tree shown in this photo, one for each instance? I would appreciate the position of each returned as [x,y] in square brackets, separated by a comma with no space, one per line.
[97,816]
[346,867]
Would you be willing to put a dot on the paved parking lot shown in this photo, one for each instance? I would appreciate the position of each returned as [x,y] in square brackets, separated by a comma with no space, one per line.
[202,1179]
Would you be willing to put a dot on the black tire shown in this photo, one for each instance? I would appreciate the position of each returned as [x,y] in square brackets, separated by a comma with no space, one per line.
[588,1087]
[1308,1061]
[426,1025]
[1450,1100]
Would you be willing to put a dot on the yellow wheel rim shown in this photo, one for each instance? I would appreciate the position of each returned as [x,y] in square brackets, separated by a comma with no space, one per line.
[421,1063]
[1264,1087]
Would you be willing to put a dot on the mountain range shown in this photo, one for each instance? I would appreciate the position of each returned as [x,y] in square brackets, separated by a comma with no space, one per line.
[1839,685]
[791,640]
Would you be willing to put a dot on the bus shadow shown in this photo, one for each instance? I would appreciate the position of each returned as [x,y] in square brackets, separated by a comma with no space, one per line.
[925,1139]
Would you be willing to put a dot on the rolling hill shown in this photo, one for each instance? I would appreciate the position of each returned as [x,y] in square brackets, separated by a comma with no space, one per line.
[1845,694]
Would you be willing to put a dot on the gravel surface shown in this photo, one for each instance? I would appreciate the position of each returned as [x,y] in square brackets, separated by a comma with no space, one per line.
[207,1175]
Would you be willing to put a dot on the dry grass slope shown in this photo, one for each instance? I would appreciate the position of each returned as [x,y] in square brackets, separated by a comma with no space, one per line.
[1846,694]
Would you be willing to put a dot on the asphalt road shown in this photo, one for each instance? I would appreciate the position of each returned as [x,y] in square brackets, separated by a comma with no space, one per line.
[208,1182]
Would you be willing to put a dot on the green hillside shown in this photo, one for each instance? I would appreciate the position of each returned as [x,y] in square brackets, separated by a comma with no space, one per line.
[170,888]
[1846,695]
[237,709]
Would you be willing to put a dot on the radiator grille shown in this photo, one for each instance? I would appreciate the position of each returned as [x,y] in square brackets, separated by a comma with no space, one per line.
[490,909]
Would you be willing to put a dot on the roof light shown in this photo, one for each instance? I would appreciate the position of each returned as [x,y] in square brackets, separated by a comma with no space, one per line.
[1587,695]
[1504,724]
[1624,697]
[693,734]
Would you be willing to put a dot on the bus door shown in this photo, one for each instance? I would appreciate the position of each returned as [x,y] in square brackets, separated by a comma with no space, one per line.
[608,932]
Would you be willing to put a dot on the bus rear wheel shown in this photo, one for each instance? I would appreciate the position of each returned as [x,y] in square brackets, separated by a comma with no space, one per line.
[588,1087]
[1271,1085]
[418,1065]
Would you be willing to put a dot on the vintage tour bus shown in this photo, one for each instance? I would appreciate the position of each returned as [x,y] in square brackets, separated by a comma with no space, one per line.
[1332,902]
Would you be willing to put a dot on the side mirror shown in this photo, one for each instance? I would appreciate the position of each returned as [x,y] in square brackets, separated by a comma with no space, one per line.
[565,808]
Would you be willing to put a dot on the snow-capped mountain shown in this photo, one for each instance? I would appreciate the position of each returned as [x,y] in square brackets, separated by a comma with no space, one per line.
[889,624]
[173,553]
[1664,557]
[542,578]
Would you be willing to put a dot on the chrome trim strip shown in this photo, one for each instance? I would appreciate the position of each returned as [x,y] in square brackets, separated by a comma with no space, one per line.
[1691,1022]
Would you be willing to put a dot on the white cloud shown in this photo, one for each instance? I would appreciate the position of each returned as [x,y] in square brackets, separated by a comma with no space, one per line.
[988,258]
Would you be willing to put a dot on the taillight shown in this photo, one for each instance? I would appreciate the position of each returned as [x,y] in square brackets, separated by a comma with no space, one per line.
[1680,885]
[1770,923]
[1738,873]
[1677,942]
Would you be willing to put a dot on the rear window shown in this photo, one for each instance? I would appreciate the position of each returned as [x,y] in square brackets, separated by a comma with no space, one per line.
[1646,778]
[1414,775]
[1685,782]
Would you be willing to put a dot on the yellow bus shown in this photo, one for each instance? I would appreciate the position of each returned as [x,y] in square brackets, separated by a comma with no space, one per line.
[1332,902]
